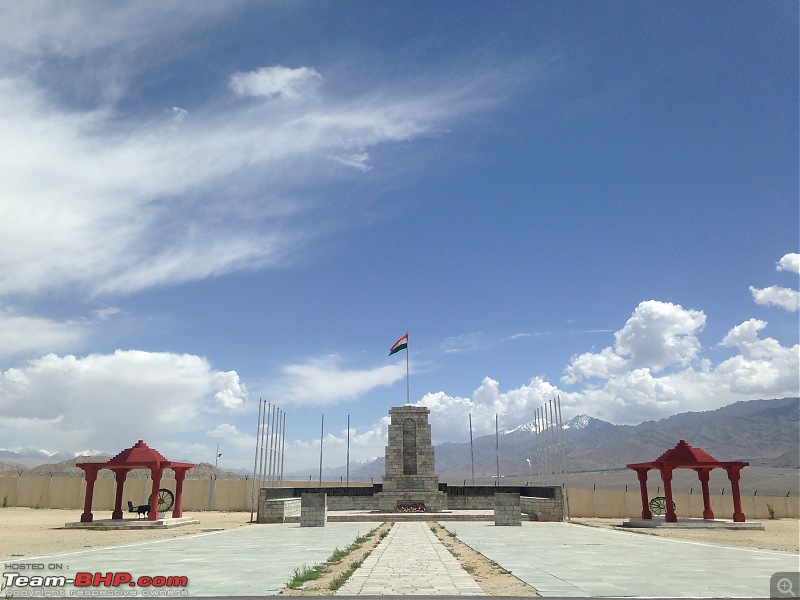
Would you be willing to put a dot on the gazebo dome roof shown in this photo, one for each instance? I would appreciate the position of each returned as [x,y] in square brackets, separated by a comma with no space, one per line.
[684,454]
[139,454]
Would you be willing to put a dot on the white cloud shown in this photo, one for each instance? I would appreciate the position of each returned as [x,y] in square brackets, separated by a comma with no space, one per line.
[788,299]
[179,114]
[605,364]
[365,444]
[463,343]
[231,393]
[103,314]
[778,296]
[24,335]
[225,430]
[789,262]
[93,192]
[658,335]
[277,81]
[70,402]
[631,382]
[449,415]
[322,381]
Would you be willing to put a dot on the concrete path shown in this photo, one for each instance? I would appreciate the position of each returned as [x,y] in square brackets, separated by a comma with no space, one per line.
[410,561]
[558,559]
[255,560]
[563,559]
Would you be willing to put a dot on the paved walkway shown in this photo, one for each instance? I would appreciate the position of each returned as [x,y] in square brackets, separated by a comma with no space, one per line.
[564,559]
[255,560]
[558,559]
[411,560]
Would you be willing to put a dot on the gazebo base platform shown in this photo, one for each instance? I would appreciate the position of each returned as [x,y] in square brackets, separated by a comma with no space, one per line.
[107,524]
[684,523]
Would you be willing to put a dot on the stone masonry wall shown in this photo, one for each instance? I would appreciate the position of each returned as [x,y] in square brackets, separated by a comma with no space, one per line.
[507,509]
[313,510]
[544,509]
[278,511]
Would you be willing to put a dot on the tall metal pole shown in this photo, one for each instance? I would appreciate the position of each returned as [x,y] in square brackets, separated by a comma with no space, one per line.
[283,445]
[255,463]
[543,445]
[321,435]
[277,452]
[408,378]
[348,449]
[563,458]
[539,446]
[471,450]
[548,447]
[264,421]
[267,432]
[497,447]
[553,443]
[276,415]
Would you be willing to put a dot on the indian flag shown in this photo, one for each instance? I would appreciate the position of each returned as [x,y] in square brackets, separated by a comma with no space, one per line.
[400,344]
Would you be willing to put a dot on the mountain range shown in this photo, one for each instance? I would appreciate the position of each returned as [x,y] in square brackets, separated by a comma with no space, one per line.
[765,433]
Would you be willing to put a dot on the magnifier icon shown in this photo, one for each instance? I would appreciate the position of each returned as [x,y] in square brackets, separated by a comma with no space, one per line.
[784,586]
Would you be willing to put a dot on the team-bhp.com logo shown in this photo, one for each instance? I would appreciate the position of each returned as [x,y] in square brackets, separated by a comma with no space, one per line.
[91,584]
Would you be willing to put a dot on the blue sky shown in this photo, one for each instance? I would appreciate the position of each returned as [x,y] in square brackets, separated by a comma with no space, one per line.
[204,204]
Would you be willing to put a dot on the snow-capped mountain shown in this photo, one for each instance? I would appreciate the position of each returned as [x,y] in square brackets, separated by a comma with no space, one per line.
[575,423]
[33,457]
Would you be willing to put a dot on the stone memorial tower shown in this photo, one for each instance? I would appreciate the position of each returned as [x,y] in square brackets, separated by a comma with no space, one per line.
[410,482]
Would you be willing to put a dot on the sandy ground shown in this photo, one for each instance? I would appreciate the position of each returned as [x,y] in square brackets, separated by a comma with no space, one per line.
[779,534]
[28,532]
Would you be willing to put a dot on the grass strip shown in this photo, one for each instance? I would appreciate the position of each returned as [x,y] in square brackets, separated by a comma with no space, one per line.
[305,574]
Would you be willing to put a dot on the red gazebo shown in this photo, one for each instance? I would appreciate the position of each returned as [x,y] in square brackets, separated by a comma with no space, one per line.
[683,456]
[140,456]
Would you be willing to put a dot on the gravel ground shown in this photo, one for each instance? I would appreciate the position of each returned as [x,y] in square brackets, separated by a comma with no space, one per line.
[29,532]
[779,534]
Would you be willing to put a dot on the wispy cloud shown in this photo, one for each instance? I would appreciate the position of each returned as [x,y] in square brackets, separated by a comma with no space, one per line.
[322,380]
[107,201]
[22,335]
[277,82]
[468,342]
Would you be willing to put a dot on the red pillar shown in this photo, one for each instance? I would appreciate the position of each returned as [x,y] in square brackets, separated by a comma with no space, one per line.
[120,476]
[641,474]
[180,475]
[156,473]
[733,475]
[91,477]
[703,474]
[666,477]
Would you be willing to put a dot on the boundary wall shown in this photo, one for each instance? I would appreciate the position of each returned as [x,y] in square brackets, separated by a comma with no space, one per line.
[609,504]
[237,495]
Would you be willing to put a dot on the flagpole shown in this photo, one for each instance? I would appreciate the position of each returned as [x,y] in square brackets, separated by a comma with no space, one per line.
[497,447]
[471,450]
[408,378]
[321,435]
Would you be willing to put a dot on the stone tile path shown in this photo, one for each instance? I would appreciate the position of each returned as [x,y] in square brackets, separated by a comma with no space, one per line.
[411,561]
[563,559]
